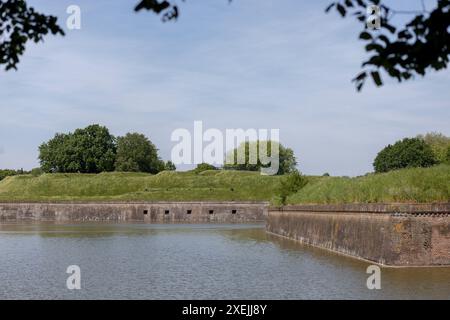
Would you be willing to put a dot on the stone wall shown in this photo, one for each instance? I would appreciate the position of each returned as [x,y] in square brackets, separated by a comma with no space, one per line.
[397,234]
[156,212]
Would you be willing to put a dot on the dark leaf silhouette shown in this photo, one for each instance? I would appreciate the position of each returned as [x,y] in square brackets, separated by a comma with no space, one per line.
[18,25]
[419,46]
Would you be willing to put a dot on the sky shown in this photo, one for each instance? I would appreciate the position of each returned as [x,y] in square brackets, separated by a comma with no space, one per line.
[274,64]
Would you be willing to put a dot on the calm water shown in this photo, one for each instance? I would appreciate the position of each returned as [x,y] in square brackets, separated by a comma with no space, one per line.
[145,261]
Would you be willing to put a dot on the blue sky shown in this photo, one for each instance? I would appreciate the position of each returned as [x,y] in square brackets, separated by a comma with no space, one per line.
[250,64]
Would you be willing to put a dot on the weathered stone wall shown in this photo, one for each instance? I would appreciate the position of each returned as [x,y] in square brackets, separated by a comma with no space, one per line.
[155,212]
[397,235]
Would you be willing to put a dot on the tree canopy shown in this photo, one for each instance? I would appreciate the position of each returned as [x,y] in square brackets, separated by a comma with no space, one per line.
[135,152]
[94,150]
[287,161]
[88,150]
[406,153]
[170,166]
[439,143]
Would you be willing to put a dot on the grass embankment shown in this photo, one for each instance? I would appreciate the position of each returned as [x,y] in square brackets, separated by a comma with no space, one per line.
[168,185]
[407,185]
[419,185]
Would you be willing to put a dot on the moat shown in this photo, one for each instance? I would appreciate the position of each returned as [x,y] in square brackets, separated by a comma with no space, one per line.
[190,261]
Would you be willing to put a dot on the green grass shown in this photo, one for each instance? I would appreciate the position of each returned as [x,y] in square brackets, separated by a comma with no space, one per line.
[416,185]
[407,185]
[167,185]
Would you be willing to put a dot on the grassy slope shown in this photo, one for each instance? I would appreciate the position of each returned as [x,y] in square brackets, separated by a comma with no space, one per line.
[176,186]
[407,185]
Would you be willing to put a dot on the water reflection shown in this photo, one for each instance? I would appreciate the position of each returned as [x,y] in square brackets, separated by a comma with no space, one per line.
[194,261]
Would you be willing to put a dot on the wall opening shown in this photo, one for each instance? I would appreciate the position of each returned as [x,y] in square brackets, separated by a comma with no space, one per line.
[234,211]
[145,211]
[189,211]
[211,211]
[166,212]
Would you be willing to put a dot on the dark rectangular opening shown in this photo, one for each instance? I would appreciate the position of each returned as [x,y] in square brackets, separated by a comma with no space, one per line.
[211,211]
[145,211]
[234,211]
[189,211]
[166,212]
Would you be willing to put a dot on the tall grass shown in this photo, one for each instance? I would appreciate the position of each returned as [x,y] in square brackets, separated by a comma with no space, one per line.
[167,185]
[406,185]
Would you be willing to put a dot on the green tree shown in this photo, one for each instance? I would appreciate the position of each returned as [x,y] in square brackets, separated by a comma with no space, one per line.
[6,173]
[409,152]
[136,153]
[54,154]
[170,166]
[287,161]
[439,143]
[88,150]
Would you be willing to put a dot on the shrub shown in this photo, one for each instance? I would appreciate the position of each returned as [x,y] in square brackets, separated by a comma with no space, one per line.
[35,172]
[204,167]
[291,184]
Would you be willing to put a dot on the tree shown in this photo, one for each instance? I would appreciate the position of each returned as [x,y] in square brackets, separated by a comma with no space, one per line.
[7,172]
[170,166]
[409,152]
[287,161]
[135,152]
[422,44]
[413,49]
[438,143]
[88,150]
[55,156]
